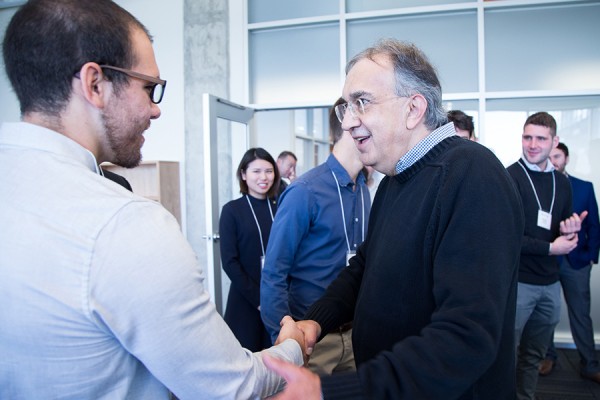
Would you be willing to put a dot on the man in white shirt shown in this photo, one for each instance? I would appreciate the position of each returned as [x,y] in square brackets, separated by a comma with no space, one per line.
[102,297]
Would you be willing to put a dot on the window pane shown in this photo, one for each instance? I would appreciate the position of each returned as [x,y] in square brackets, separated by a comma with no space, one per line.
[323,132]
[300,122]
[273,130]
[323,149]
[543,48]
[273,10]
[305,154]
[457,64]
[372,5]
[295,64]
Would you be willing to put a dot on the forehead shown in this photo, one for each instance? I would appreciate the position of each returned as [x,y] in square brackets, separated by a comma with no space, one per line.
[144,53]
[259,163]
[370,77]
[556,152]
[288,160]
[537,131]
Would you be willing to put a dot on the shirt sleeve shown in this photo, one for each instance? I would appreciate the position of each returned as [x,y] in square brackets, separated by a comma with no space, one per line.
[291,224]
[146,291]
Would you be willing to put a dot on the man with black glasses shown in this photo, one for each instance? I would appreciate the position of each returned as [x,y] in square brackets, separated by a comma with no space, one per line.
[102,297]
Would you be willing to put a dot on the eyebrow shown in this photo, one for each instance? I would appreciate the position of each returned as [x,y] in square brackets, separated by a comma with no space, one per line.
[359,93]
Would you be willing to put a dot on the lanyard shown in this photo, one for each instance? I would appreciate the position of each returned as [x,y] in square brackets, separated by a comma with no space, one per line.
[262,245]
[534,191]
[362,198]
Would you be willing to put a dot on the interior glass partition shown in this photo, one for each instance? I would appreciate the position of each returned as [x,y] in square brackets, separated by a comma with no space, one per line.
[455,58]
[553,47]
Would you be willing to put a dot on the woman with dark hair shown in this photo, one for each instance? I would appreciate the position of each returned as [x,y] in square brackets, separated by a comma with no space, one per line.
[244,228]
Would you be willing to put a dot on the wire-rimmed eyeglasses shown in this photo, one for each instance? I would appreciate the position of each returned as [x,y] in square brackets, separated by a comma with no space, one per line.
[156,92]
[357,107]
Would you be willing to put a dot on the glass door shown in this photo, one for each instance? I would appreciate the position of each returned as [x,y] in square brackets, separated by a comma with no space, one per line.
[226,138]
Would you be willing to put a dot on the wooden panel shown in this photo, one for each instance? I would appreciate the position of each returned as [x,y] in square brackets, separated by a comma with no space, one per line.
[155,180]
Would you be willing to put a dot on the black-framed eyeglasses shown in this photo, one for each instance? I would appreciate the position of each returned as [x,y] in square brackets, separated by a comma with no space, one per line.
[158,89]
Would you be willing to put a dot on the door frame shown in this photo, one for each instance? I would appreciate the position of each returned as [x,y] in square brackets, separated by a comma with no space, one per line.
[214,108]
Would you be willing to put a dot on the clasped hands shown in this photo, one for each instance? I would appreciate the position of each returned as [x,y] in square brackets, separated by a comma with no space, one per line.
[303,332]
[301,383]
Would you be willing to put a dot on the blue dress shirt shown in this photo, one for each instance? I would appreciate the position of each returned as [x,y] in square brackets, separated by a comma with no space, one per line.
[307,247]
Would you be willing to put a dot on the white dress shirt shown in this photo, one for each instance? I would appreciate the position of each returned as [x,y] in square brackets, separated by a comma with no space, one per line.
[101,295]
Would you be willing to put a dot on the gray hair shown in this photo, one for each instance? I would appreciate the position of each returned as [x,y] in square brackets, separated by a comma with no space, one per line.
[414,75]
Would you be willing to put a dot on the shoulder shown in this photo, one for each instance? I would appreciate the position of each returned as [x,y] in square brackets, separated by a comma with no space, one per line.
[513,166]
[233,206]
[471,158]
[314,173]
[562,180]
[580,182]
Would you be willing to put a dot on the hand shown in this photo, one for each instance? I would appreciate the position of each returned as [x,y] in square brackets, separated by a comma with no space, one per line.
[312,331]
[563,245]
[289,330]
[301,383]
[572,225]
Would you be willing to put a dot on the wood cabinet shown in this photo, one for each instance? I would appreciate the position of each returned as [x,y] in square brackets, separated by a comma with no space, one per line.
[155,180]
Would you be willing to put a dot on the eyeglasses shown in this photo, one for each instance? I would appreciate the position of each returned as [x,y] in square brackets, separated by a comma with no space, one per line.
[356,107]
[157,91]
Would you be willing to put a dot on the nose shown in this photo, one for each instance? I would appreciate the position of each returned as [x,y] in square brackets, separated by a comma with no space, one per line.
[155,111]
[350,121]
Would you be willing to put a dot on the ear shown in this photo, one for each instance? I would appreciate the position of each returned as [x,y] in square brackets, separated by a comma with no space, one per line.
[417,106]
[94,87]
[555,141]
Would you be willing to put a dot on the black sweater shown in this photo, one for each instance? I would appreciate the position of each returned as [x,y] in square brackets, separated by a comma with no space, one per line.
[432,290]
[536,266]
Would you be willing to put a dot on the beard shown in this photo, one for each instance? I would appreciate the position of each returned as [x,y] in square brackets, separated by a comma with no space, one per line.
[124,136]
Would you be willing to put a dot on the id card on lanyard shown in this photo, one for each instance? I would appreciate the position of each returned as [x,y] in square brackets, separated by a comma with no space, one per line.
[544,219]
[262,246]
[350,253]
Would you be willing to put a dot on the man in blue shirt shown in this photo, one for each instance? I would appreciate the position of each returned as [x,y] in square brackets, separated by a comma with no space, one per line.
[321,219]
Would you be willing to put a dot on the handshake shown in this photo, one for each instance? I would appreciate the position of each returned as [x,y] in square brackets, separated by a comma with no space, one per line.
[301,383]
[305,333]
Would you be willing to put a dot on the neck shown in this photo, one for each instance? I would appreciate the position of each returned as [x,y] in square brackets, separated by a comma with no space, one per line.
[47,121]
[73,123]
[257,195]
[350,162]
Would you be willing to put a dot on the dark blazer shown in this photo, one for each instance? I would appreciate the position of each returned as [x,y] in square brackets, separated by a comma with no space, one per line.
[588,245]
[117,178]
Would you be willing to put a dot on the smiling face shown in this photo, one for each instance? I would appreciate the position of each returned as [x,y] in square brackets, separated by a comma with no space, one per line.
[259,176]
[380,133]
[537,143]
[129,113]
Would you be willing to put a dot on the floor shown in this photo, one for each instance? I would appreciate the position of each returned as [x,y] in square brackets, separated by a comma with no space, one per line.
[565,383]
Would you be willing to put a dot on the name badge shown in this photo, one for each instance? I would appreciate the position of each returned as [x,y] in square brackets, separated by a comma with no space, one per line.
[544,219]
[349,255]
